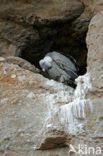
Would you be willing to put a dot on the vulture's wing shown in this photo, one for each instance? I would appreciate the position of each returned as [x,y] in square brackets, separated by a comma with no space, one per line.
[65,64]
[67,69]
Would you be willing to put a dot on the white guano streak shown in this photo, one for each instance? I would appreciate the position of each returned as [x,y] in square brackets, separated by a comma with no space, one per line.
[72,115]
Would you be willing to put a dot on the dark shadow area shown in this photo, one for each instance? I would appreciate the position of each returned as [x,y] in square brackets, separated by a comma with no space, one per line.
[67,38]
[30,29]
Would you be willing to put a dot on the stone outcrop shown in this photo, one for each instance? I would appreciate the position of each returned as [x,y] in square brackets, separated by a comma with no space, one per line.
[22,63]
[95,67]
[31,29]
[40,116]
[92,7]
[27,102]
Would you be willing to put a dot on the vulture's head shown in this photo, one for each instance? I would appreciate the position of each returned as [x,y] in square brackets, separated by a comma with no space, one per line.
[46,63]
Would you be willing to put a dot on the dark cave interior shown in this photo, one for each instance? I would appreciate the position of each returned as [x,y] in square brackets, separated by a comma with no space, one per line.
[67,38]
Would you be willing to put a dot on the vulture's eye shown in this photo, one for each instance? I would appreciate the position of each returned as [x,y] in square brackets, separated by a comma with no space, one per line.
[49,67]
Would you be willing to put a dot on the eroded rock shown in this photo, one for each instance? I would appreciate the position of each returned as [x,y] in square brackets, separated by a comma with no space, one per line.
[53,138]
[95,66]
[22,63]
[82,116]
[26,100]
[30,30]
[92,7]
[39,113]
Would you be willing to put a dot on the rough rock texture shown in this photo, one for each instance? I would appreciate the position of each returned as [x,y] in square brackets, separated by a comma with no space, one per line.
[54,152]
[95,67]
[94,136]
[21,63]
[27,101]
[95,55]
[53,138]
[30,30]
[38,115]
[92,7]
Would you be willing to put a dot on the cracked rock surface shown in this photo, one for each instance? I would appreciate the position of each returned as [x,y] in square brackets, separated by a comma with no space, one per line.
[38,116]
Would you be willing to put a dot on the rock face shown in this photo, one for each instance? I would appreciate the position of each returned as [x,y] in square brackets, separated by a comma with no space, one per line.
[92,7]
[21,63]
[31,29]
[42,117]
[95,67]
[27,103]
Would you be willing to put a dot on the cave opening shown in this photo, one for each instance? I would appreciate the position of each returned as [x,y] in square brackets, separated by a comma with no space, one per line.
[68,38]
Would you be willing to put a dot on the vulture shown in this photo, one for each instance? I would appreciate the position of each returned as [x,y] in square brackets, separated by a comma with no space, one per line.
[60,68]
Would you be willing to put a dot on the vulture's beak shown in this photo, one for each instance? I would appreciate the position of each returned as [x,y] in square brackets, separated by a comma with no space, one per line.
[43,67]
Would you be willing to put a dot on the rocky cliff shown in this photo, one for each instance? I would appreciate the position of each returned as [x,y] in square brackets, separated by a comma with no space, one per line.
[38,116]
